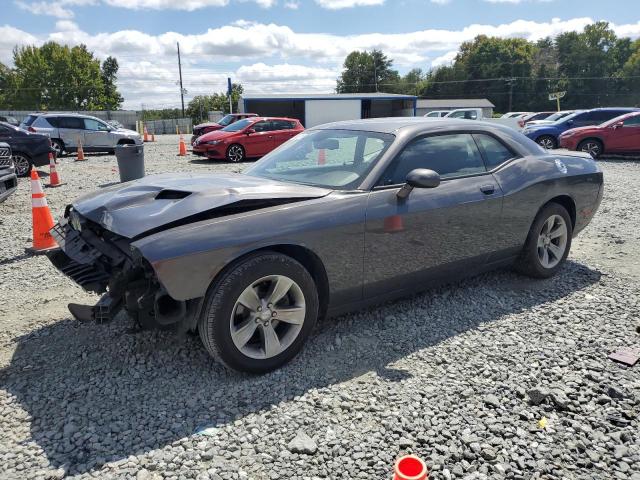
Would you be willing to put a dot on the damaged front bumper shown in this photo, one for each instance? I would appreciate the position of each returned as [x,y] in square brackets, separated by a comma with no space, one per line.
[103,262]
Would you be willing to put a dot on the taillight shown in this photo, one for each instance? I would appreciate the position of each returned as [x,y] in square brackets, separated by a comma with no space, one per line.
[521,123]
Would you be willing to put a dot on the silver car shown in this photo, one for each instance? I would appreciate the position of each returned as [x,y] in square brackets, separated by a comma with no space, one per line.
[67,130]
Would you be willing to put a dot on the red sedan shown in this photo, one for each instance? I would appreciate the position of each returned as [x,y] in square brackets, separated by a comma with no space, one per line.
[619,135]
[251,137]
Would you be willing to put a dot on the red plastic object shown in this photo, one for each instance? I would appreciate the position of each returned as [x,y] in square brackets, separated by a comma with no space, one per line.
[393,224]
[322,157]
[410,467]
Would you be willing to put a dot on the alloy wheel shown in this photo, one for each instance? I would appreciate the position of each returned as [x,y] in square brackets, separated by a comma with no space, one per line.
[235,153]
[22,164]
[58,148]
[592,148]
[546,142]
[552,241]
[267,317]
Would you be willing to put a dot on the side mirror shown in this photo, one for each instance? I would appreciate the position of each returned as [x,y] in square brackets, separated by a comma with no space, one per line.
[250,131]
[419,178]
[618,125]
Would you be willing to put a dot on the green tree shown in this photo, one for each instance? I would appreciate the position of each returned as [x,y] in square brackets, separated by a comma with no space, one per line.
[112,99]
[57,77]
[200,105]
[365,72]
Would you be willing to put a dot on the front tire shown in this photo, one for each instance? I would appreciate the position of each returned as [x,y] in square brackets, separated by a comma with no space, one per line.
[548,243]
[547,142]
[235,153]
[591,146]
[259,314]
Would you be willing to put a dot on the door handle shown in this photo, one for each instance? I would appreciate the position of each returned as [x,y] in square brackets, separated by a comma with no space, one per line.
[488,189]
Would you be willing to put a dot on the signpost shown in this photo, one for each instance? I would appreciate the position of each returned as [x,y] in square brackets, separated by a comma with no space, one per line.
[229,91]
[557,96]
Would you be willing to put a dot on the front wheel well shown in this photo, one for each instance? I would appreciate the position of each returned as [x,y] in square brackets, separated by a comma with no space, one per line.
[567,202]
[592,139]
[306,257]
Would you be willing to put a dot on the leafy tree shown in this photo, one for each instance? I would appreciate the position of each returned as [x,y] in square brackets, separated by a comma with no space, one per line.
[59,77]
[365,72]
[200,105]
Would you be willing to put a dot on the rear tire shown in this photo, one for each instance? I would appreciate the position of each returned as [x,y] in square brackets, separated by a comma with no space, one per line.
[58,146]
[22,163]
[243,321]
[547,142]
[592,146]
[548,243]
[235,153]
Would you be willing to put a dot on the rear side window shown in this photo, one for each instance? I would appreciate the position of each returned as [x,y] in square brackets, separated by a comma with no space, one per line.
[53,121]
[450,155]
[75,123]
[495,153]
[283,125]
[29,120]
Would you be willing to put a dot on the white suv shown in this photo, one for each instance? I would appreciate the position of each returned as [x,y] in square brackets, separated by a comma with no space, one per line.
[66,130]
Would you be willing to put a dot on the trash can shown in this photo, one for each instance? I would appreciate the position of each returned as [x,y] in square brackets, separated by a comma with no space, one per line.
[130,161]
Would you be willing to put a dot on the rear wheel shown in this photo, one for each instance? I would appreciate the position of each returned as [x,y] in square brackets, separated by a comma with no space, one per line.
[22,163]
[235,153]
[58,146]
[548,242]
[258,316]
[591,146]
[547,141]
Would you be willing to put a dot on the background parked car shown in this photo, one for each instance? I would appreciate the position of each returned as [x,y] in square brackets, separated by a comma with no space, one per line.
[29,149]
[225,121]
[618,135]
[437,113]
[10,120]
[66,129]
[553,118]
[547,136]
[251,137]
[478,114]
[515,114]
[525,119]
[8,180]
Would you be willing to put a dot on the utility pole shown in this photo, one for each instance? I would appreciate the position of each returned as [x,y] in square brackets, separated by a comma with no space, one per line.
[180,70]
[510,82]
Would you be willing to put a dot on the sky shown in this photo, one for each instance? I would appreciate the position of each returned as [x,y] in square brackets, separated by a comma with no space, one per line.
[282,46]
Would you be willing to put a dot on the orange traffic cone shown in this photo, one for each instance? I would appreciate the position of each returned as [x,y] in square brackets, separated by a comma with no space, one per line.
[410,467]
[393,224]
[54,178]
[42,219]
[80,152]
[182,147]
[146,134]
[322,156]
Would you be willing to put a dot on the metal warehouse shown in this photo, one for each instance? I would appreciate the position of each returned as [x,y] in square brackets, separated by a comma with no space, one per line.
[316,109]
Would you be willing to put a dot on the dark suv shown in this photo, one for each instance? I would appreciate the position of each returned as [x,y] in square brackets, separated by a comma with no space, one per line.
[8,179]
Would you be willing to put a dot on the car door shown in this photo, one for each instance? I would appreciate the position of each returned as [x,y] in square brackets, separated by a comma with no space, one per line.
[71,130]
[433,232]
[283,131]
[97,134]
[260,141]
[625,138]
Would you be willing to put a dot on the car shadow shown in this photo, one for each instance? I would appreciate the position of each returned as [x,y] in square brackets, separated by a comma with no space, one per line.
[102,384]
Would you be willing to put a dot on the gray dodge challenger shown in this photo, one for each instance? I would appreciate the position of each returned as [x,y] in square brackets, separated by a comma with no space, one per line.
[342,216]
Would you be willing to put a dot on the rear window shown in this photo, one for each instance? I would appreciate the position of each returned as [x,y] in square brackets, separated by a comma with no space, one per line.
[29,119]
[53,121]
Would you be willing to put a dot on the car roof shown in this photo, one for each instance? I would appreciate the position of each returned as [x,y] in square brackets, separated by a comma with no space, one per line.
[394,124]
[619,109]
[257,119]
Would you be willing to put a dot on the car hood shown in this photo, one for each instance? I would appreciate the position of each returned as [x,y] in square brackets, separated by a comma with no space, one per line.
[160,202]
[216,135]
[573,131]
[126,131]
[213,125]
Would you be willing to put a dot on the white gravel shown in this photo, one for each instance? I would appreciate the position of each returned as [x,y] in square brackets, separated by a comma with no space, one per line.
[459,375]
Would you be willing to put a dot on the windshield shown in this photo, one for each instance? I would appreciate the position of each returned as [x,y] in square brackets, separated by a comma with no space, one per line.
[557,116]
[237,126]
[226,120]
[337,159]
[567,118]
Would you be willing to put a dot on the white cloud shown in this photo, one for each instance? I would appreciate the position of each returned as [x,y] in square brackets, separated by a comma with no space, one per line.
[53,9]
[340,4]
[267,57]
[292,5]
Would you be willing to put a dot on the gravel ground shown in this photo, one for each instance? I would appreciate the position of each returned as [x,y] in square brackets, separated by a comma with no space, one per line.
[461,375]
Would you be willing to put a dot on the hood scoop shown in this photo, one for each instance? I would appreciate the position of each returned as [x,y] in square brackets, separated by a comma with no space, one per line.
[168,194]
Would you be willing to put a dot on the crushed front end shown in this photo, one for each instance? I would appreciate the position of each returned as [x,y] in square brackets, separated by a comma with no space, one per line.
[104,262]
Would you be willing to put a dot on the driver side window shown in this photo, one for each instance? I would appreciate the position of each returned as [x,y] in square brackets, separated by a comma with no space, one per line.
[451,156]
